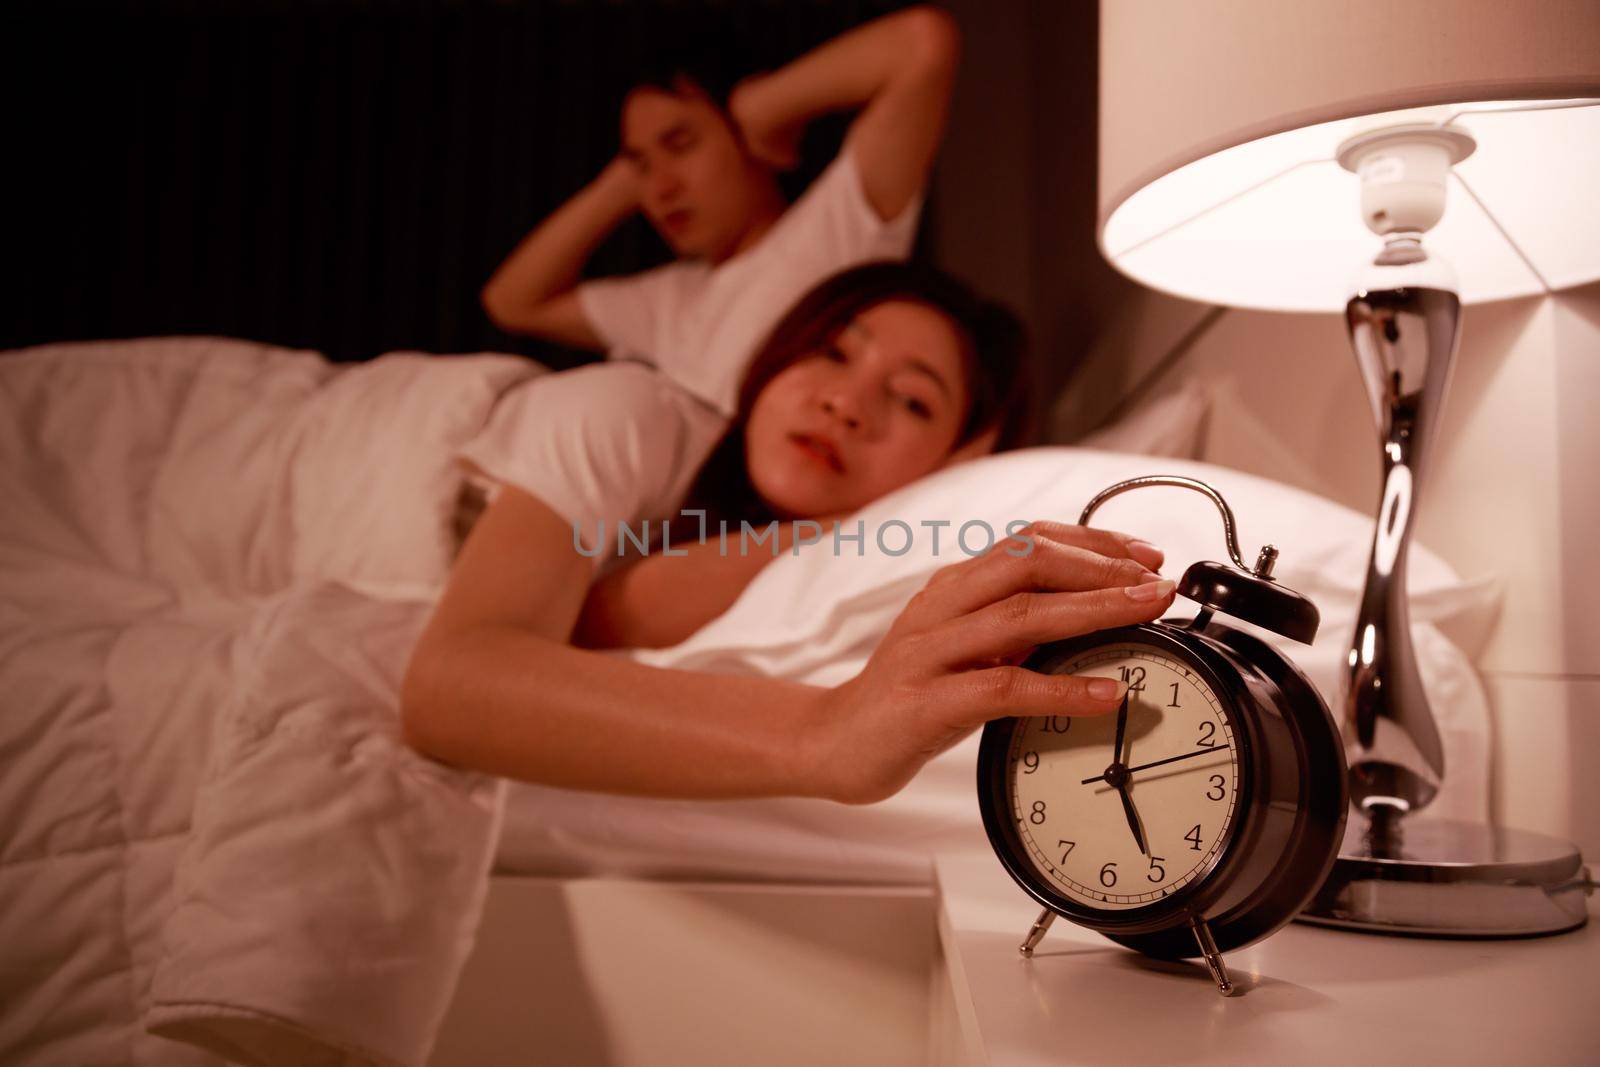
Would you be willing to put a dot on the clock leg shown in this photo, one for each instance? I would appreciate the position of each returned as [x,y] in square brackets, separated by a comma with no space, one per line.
[1208,949]
[1036,934]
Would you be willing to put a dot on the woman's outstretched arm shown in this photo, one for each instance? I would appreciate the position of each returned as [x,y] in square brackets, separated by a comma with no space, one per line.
[660,600]
[494,685]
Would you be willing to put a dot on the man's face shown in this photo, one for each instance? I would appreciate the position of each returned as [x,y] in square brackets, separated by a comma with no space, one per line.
[698,187]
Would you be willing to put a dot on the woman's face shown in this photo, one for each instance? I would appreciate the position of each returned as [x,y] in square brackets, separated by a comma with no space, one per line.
[877,408]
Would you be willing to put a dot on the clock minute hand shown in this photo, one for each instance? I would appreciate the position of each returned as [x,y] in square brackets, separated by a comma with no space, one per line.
[1122,727]
[1159,762]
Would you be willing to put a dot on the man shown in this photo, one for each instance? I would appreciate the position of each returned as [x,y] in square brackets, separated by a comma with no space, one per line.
[705,176]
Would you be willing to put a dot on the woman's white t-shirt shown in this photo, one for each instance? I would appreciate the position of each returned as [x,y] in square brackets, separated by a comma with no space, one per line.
[603,444]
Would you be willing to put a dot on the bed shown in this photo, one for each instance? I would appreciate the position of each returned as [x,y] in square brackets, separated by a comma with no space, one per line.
[215,556]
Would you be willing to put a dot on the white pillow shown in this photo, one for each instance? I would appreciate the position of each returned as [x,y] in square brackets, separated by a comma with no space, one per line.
[1323,545]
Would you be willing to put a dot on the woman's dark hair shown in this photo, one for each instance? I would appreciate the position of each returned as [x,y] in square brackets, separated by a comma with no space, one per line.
[994,361]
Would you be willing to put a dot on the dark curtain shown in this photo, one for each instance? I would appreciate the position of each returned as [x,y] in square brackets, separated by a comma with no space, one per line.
[342,176]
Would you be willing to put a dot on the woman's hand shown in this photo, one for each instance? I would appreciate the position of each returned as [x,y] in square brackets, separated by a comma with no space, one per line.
[949,663]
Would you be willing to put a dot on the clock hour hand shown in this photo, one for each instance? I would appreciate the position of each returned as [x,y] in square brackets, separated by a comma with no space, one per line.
[1116,776]
[1133,819]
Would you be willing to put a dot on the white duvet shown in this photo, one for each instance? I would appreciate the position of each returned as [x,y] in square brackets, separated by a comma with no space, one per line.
[214,559]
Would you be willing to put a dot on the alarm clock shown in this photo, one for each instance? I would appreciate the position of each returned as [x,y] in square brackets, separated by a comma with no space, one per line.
[1203,814]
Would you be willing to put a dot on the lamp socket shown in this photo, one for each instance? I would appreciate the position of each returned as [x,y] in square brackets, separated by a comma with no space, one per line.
[1403,171]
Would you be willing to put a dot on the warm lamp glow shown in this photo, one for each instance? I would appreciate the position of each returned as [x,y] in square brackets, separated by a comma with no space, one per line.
[1275,223]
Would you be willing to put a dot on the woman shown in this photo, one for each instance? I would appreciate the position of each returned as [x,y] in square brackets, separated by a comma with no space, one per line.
[881,376]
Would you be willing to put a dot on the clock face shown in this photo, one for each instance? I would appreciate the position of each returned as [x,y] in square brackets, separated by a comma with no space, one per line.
[1112,849]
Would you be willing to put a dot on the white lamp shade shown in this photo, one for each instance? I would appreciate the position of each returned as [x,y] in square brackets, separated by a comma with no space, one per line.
[1220,122]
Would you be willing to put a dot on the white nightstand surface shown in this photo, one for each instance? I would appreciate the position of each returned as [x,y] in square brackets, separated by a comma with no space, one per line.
[1309,995]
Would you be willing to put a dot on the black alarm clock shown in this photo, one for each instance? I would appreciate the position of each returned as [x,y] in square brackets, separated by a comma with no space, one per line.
[1206,812]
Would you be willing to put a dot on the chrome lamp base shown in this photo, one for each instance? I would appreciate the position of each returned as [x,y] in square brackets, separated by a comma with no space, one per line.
[1400,872]
[1441,878]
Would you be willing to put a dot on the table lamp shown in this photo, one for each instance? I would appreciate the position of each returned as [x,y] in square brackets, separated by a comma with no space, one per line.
[1390,162]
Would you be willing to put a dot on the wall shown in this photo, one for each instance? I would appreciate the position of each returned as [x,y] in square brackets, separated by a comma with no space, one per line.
[1015,201]
[1516,493]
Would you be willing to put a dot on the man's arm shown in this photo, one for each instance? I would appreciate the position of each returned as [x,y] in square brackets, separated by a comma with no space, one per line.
[533,291]
[898,69]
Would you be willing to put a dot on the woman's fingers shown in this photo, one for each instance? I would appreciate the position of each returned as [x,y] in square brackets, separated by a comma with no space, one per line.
[975,697]
[1105,542]
[1017,624]
[1056,562]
